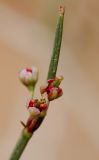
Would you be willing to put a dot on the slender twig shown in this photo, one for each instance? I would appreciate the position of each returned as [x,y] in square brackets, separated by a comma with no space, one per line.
[26,135]
[57,45]
[20,146]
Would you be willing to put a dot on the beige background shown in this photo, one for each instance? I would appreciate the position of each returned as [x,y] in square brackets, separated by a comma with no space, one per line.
[70,130]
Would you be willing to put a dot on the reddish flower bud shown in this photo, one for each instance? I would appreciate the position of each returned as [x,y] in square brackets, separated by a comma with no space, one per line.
[32,107]
[32,103]
[52,89]
[34,111]
[43,106]
[52,93]
[29,76]
[60,92]
[56,81]
[50,81]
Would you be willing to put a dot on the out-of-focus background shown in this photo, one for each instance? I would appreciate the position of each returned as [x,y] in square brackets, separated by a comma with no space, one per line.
[71,128]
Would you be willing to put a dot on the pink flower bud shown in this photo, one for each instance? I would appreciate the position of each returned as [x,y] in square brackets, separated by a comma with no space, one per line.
[60,92]
[56,81]
[34,111]
[43,106]
[52,88]
[32,103]
[52,93]
[29,76]
[32,107]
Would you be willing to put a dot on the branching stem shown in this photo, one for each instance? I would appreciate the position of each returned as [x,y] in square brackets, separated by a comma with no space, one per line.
[25,135]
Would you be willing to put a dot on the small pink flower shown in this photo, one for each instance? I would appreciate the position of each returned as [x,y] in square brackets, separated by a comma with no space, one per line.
[52,93]
[43,106]
[29,76]
[32,103]
[32,107]
[34,111]
[55,82]
[52,88]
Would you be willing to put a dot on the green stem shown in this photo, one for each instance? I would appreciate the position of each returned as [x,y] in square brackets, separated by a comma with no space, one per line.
[57,45]
[21,144]
[56,48]
[26,136]
[31,90]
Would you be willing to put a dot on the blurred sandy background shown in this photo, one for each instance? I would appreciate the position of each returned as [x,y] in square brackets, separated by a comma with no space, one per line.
[71,128]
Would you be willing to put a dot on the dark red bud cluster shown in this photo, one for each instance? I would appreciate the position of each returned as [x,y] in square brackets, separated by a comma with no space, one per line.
[36,106]
[52,89]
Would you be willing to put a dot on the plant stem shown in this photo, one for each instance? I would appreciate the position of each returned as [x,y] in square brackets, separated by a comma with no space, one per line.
[57,45]
[22,142]
[31,90]
[56,48]
[25,135]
